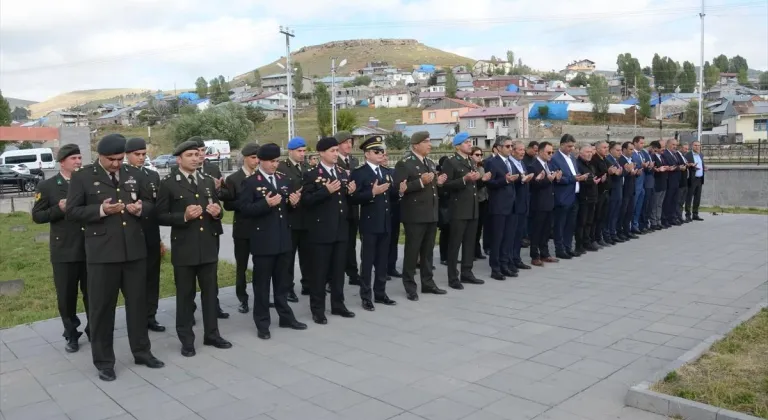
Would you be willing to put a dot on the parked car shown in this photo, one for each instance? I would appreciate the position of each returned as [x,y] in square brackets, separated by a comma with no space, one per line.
[12,179]
[164,161]
[20,168]
[148,164]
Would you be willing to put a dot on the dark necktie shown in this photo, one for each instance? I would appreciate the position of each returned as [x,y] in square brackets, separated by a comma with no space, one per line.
[192,180]
[114,179]
[346,160]
[272,181]
[378,173]
[426,165]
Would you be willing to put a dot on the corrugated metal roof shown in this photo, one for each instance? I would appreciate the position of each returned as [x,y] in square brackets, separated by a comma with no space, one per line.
[436,131]
[588,107]
[115,113]
[494,112]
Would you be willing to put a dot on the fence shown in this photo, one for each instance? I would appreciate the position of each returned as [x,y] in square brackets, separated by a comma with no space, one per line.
[735,153]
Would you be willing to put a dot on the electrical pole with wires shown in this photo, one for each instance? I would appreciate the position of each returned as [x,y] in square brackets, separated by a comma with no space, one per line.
[701,76]
[288,71]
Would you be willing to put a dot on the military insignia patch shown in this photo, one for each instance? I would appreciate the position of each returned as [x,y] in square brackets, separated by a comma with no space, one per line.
[38,196]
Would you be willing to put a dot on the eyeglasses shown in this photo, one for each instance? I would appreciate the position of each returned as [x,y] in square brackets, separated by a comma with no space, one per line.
[507,146]
[377,152]
[548,153]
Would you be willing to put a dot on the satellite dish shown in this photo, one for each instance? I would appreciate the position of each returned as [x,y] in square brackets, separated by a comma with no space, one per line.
[343,63]
[280,65]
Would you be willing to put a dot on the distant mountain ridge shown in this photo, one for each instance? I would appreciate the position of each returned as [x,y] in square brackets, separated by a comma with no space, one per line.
[22,103]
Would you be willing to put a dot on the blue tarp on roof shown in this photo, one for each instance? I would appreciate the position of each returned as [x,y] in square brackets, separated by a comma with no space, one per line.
[557,111]
[427,68]
[189,96]
[513,88]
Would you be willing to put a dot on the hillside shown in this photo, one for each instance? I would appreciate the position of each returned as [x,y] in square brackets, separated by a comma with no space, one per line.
[79,97]
[316,60]
[22,103]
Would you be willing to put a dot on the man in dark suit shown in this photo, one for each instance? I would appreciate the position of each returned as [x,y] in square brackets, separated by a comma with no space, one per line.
[487,228]
[294,168]
[67,244]
[669,215]
[461,186]
[531,152]
[241,226]
[542,204]
[685,179]
[638,158]
[136,153]
[324,198]
[394,213]
[650,190]
[587,200]
[109,202]
[187,202]
[501,210]
[615,197]
[696,181]
[373,197]
[624,228]
[522,198]
[659,185]
[348,162]
[600,219]
[417,183]
[566,205]
[266,200]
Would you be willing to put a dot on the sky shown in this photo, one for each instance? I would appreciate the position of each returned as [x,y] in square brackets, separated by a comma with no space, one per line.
[49,47]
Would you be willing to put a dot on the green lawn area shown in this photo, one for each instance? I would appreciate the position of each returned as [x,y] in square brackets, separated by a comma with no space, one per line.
[22,257]
[734,210]
[733,374]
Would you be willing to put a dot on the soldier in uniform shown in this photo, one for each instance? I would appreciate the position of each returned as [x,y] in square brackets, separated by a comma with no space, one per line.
[348,162]
[372,195]
[188,203]
[324,198]
[417,182]
[463,210]
[394,213]
[67,245]
[294,168]
[267,198]
[136,152]
[241,226]
[109,201]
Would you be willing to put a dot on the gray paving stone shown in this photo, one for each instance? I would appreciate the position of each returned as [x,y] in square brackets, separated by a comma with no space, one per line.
[338,399]
[407,397]
[556,359]
[105,410]
[38,410]
[512,408]
[632,346]
[370,410]
[594,368]
[444,409]
[651,337]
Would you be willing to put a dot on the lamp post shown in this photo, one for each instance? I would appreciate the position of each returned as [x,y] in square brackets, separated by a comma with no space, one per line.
[333,92]
[608,134]
[288,32]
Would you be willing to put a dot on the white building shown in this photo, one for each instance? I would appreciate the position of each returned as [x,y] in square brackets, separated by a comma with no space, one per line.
[392,99]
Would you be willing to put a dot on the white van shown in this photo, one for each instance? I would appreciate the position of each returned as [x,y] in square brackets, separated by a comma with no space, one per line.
[216,150]
[35,159]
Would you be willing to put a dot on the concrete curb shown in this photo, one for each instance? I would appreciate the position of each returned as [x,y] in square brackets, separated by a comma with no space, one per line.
[640,396]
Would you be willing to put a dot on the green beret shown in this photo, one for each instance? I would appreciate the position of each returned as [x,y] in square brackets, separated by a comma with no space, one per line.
[250,149]
[343,136]
[184,146]
[134,144]
[269,151]
[111,144]
[198,140]
[66,151]
[419,137]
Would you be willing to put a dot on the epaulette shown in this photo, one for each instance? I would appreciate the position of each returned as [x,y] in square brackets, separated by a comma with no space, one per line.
[279,173]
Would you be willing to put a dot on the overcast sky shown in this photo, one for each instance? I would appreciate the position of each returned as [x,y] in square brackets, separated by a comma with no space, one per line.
[49,47]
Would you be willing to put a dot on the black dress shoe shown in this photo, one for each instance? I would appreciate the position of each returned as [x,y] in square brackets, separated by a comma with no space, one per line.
[320,319]
[413,297]
[395,273]
[618,240]
[522,266]
[563,255]
[304,291]
[72,345]
[188,351]
[153,325]
[217,342]
[344,313]
[636,232]
[497,276]
[221,314]
[388,277]
[632,236]
[508,272]
[264,335]
[294,325]
[243,308]
[151,362]
[471,280]
[433,290]
[368,305]
[698,219]
[578,252]
[479,256]
[385,300]
[292,297]
[591,247]
[454,285]
[107,375]
[354,281]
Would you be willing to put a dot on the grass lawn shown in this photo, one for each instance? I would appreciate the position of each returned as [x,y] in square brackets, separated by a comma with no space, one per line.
[23,257]
[733,210]
[733,374]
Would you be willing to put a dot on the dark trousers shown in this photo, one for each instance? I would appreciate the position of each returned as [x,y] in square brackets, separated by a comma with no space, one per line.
[443,240]
[487,233]
[105,282]
[625,215]
[419,246]
[483,211]
[153,279]
[351,266]
[584,219]
[600,218]
[502,240]
[540,227]
[187,278]
[276,269]
[394,238]
[463,234]
[669,213]
[520,232]
[693,199]
[638,203]
[242,252]
[645,214]
[299,241]
[565,225]
[614,210]
[66,278]
[328,264]
[682,196]
[374,255]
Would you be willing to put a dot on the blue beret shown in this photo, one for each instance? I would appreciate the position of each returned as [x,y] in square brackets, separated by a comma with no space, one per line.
[296,142]
[460,138]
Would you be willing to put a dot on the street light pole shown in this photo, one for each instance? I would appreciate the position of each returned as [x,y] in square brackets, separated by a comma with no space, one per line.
[333,96]
[288,70]
[701,75]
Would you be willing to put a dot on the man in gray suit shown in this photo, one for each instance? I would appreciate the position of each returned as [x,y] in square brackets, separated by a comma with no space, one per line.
[695,181]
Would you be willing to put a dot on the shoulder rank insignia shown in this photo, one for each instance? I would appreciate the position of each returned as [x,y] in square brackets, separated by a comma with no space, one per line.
[38,196]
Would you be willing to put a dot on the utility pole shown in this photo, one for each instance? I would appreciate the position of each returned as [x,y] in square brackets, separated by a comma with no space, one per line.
[333,96]
[701,75]
[634,131]
[288,70]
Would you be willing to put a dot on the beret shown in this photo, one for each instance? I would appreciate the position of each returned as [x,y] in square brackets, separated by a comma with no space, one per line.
[134,144]
[184,146]
[370,143]
[343,136]
[419,137]
[66,151]
[198,140]
[296,142]
[269,151]
[250,149]
[326,143]
[460,138]
[111,144]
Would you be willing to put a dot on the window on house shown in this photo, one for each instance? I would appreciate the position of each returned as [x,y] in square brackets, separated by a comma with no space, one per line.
[399,98]
[491,124]
[471,124]
[432,115]
[454,113]
[505,123]
[760,125]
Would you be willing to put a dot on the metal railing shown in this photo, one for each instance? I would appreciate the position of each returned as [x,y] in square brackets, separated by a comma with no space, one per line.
[748,154]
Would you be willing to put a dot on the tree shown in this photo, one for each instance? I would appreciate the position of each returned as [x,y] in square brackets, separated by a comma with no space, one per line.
[346,120]
[201,87]
[451,85]
[737,64]
[742,77]
[721,62]
[580,80]
[20,114]
[511,57]
[5,111]
[227,122]
[323,101]
[499,71]
[186,110]
[224,85]
[763,81]
[644,97]
[551,75]
[647,71]
[25,145]
[256,78]
[397,141]
[598,95]
[297,79]
[687,79]
[692,114]
[711,75]
[629,67]
[255,115]
[361,81]
[664,72]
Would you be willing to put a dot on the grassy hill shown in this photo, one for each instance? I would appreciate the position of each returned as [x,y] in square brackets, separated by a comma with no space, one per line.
[22,103]
[404,53]
[80,97]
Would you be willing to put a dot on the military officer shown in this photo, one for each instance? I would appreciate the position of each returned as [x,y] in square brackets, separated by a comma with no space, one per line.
[108,200]
[463,210]
[266,199]
[294,168]
[372,195]
[67,245]
[348,162]
[136,153]
[394,210]
[324,198]
[188,203]
[241,226]
[417,184]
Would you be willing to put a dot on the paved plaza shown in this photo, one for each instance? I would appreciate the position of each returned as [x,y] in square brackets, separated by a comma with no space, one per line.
[563,342]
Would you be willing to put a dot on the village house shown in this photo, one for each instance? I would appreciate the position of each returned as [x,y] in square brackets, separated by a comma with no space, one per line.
[65,119]
[438,133]
[277,99]
[447,110]
[392,99]
[124,116]
[500,82]
[485,124]
[751,121]
[279,83]
[724,108]
[490,98]
[489,67]
[270,111]
[559,97]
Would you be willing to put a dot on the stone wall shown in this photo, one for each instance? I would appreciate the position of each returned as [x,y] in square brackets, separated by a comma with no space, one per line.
[623,132]
[736,186]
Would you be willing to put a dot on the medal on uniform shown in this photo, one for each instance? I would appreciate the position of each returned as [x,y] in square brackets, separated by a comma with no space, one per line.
[208,192]
[133,196]
[178,177]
